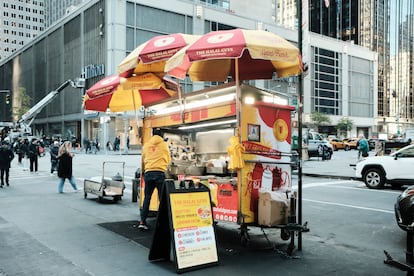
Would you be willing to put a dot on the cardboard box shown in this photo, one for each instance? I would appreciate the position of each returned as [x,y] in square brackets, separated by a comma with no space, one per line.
[273,208]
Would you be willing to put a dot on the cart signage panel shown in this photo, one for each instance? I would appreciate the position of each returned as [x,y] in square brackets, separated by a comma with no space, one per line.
[188,216]
[267,157]
[194,238]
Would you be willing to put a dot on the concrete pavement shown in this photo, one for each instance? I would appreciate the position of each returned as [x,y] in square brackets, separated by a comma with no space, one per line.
[46,233]
[341,166]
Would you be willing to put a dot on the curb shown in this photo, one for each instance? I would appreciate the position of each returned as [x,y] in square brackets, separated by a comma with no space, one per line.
[342,177]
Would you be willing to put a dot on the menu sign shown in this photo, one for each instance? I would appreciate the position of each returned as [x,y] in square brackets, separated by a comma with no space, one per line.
[194,236]
[185,226]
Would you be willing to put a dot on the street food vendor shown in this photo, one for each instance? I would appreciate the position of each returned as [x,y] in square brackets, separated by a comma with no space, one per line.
[156,158]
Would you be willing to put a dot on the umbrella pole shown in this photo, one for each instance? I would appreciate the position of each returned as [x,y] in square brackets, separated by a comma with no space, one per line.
[136,116]
[180,99]
[126,133]
[239,134]
[238,98]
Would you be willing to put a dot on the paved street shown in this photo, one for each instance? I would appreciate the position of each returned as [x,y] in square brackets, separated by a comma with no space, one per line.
[46,233]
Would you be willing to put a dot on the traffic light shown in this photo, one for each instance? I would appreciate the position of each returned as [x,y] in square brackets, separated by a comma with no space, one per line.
[7,98]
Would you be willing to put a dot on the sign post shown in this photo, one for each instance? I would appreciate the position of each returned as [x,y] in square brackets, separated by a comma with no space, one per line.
[185,222]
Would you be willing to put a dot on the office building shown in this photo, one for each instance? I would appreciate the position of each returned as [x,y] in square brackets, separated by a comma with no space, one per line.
[20,22]
[56,9]
[91,41]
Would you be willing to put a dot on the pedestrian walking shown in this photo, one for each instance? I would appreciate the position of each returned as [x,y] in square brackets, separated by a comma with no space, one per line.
[54,151]
[6,156]
[363,147]
[19,150]
[25,154]
[34,154]
[65,157]
[87,145]
[156,158]
[117,143]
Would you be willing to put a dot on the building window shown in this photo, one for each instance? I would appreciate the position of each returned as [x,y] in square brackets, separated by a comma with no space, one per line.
[326,89]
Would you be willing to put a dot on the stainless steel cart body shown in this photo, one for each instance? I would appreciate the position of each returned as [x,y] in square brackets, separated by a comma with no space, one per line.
[107,187]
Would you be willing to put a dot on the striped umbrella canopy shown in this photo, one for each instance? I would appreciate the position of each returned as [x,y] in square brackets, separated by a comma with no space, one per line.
[151,55]
[242,54]
[117,94]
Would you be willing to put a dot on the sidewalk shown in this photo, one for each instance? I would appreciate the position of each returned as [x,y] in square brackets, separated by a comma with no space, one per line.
[46,233]
[341,166]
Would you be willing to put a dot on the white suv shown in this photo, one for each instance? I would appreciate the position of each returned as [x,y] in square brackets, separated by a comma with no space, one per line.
[395,169]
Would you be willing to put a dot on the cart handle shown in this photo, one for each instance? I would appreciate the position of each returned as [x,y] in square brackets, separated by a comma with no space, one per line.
[113,162]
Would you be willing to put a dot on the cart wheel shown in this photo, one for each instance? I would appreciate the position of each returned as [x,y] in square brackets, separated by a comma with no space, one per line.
[116,198]
[284,234]
[85,195]
[99,199]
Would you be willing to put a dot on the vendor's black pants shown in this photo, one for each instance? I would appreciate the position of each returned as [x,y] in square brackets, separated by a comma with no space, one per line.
[153,179]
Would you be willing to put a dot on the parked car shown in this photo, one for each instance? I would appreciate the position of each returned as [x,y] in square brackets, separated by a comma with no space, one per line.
[395,169]
[373,141]
[404,209]
[351,143]
[337,144]
[318,146]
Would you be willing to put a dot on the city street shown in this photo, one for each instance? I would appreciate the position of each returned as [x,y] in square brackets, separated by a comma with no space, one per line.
[46,233]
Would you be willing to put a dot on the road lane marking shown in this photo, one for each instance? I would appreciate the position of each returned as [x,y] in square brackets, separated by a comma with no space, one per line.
[350,206]
[318,184]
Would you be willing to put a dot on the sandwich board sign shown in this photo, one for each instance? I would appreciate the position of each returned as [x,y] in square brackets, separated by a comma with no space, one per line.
[185,222]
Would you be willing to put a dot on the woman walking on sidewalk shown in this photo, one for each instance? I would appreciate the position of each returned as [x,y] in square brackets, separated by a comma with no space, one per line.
[65,166]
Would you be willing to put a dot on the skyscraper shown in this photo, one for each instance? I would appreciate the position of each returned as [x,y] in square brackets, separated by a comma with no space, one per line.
[401,75]
[20,21]
[56,9]
[383,26]
[23,20]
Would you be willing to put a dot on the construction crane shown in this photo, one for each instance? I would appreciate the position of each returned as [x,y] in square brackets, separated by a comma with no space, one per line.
[27,118]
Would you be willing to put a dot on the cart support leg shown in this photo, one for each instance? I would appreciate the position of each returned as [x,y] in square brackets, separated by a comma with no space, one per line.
[409,262]
[135,184]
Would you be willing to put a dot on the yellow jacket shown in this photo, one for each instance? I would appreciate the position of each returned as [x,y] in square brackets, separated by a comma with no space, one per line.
[156,155]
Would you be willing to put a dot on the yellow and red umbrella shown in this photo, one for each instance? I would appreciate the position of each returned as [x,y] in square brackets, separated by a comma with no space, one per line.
[124,94]
[242,54]
[151,55]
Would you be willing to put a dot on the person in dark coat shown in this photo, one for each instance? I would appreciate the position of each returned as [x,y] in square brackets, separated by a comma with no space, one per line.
[54,151]
[20,150]
[34,155]
[6,156]
[65,157]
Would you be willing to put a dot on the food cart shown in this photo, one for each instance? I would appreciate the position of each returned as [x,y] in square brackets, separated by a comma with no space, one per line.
[105,186]
[239,153]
